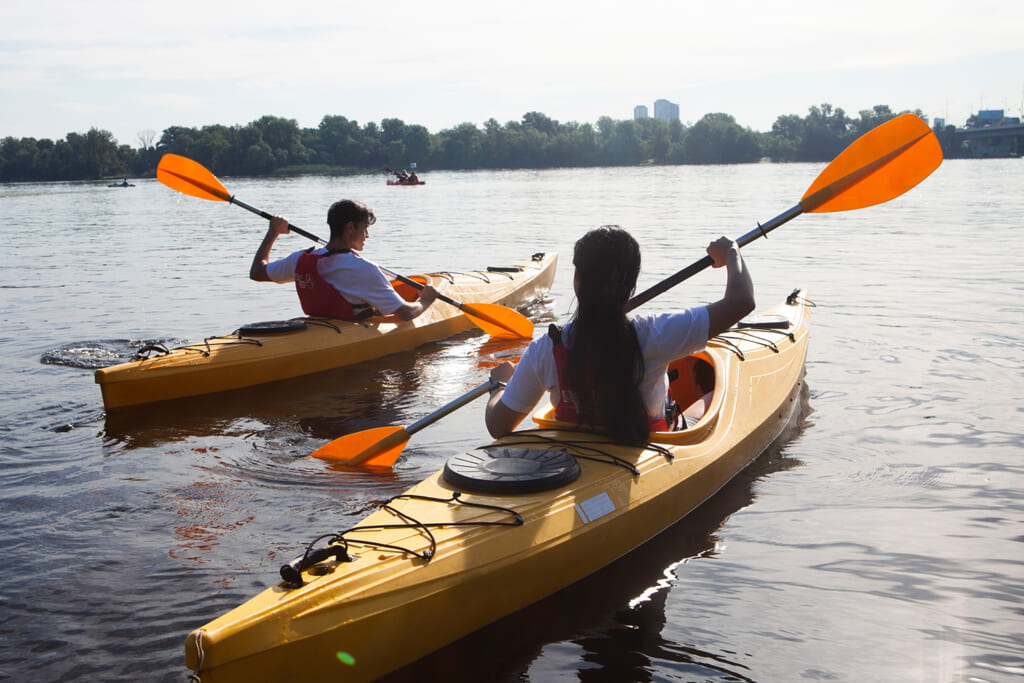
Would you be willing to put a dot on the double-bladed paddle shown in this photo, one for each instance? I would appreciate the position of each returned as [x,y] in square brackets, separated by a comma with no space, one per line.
[880,165]
[192,178]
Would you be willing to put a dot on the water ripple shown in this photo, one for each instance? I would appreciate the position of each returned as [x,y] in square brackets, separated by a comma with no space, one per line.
[100,353]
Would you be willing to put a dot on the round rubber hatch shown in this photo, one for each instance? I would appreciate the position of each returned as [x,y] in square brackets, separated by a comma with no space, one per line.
[765,322]
[511,470]
[272,327]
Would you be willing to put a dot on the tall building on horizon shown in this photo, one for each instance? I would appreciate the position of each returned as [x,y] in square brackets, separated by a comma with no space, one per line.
[640,111]
[666,111]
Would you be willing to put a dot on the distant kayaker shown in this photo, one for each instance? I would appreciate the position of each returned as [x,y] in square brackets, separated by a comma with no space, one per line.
[604,369]
[335,281]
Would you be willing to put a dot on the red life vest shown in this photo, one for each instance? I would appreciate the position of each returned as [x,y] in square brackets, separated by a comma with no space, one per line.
[318,297]
[568,407]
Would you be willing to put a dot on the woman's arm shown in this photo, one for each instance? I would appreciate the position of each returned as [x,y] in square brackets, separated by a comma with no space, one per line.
[501,419]
[738,300]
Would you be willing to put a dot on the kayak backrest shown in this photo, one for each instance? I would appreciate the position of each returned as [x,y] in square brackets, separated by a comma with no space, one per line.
[690,378]
[408,292]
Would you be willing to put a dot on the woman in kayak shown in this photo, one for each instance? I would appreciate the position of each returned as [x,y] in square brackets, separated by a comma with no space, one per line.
[607,370]
[335,281]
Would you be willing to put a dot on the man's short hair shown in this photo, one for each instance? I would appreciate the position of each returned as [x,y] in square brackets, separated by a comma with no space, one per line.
[347,210]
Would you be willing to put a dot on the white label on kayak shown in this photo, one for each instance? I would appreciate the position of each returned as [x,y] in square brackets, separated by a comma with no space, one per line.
[595,508]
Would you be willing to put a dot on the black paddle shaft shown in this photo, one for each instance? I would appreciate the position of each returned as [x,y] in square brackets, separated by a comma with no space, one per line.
[706,262]
[264,214]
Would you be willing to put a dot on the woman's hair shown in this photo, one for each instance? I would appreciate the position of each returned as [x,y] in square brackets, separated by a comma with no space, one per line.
[606,364]
[347,210]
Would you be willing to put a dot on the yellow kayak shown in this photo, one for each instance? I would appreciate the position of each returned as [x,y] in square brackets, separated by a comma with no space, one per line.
[505,525]
[268,352]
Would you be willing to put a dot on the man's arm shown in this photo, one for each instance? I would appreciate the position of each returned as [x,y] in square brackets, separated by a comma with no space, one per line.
[258,269]
[410,310]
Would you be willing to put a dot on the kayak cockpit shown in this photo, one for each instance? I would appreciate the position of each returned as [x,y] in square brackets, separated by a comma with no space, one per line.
[690,379]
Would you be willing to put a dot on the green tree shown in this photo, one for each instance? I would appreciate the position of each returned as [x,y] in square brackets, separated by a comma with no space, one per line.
[718,139]
[826,133]
[869,118]
[337,136]
[258,159]
[177,140]
[623,144]
[786,138]
[495,150]
[540,123]
[655,138]
[395,153]
[417,142]
[584,142]
[284,139]
[19,159]
[460,146]
[216,147]
[94,155]
[391,130]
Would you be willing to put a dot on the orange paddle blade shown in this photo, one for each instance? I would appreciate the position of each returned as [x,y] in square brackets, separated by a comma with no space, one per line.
[191,178]
[878,166]
[379,447]
[499,321]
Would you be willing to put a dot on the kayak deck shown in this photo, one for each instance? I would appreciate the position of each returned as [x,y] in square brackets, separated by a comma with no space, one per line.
[247,358]
[441,561]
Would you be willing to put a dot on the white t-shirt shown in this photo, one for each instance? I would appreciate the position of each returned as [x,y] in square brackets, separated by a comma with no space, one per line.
[359,280]
[663,338]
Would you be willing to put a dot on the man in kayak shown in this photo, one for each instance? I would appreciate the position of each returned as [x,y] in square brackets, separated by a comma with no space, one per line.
[335,281]
[604,369]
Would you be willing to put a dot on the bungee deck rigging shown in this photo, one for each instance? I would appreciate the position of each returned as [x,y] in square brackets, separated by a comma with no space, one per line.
[338,543]
[205,347]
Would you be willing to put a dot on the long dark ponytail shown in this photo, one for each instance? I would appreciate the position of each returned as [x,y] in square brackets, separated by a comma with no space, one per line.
[606,365]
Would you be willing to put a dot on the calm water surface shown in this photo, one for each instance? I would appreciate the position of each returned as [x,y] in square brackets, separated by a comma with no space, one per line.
[881,539]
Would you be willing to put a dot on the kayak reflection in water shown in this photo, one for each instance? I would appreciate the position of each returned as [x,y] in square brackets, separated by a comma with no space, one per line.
[334,280]
[605,369]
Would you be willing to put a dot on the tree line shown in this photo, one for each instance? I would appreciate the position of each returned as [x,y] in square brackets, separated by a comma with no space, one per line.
[274,145]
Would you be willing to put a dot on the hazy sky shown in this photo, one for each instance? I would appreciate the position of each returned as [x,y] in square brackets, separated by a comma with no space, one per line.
[67,65]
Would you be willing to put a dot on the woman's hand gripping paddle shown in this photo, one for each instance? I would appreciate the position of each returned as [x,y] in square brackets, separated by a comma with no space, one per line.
[191,178]
[380,447]
[878,166]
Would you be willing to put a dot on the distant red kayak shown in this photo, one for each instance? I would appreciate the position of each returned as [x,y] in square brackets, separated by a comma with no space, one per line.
[407,182]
